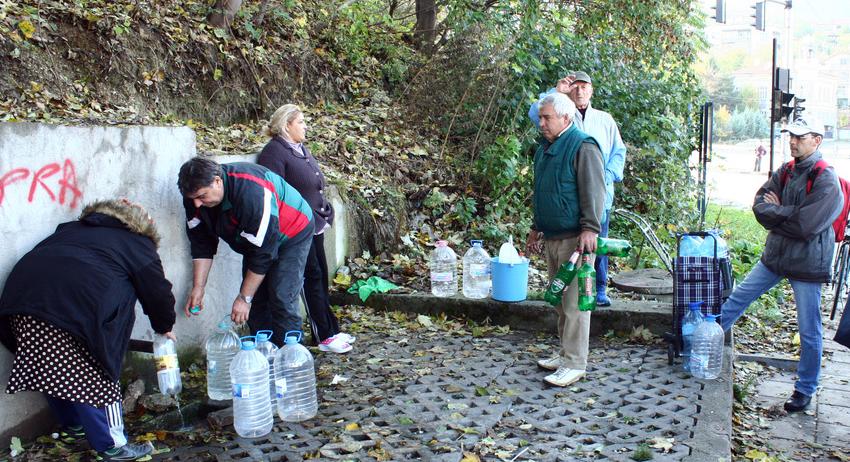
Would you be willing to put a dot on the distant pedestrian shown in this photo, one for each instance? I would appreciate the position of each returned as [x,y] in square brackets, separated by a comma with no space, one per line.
[760,152]
[569,200]
[799,247]
[67,311]
[288,156]
[602,127]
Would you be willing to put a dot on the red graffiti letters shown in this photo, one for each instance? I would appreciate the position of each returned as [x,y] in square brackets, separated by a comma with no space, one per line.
[43,180]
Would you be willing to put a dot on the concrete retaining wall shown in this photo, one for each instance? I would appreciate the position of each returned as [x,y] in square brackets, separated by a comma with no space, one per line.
[48,173]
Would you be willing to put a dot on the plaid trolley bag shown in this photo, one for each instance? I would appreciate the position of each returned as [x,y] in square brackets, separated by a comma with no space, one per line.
[696,279]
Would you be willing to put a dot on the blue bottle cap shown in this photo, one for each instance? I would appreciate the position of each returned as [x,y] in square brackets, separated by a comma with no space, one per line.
[695,306]
[711,317]
[292,337]
[248,342]
[476,242]
[263,335]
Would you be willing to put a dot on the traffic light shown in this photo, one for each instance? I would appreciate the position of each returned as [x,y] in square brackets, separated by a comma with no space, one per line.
[783,107]
[720,11]
[758,15]
[798,107]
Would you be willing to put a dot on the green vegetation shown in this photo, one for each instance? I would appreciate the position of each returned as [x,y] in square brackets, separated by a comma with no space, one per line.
[421,122]
[746,245]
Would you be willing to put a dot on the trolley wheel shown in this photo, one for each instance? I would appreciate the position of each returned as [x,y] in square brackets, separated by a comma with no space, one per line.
[671,353]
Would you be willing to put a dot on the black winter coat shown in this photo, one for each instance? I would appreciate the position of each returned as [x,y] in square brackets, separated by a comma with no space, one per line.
[85,279]
[302,172]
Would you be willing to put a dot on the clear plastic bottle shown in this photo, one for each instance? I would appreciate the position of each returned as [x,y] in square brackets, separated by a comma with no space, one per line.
[508,253]
[269,350]
[707,350]
[443,270]
[690,321]
[707,248]
[167,367]
[689,246]
[476,271]
[221,346]
[295,381]
[249,375]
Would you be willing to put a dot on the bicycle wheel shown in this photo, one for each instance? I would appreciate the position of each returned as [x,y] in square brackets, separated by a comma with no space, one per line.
[840,281]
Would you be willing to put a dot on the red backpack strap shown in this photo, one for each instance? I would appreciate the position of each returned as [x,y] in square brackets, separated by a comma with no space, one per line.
[814,172]
[785,172]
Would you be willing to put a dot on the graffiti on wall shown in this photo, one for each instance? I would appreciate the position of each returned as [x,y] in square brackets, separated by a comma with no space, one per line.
[55,181]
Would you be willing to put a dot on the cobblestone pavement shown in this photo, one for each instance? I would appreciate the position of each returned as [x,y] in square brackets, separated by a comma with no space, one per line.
[432,395]
[824,425]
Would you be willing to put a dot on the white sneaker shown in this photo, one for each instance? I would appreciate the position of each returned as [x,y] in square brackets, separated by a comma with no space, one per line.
[550,364]
[346,338]
[564,376]
[335,345]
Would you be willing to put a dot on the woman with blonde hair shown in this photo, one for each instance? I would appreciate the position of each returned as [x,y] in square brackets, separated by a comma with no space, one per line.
[288,156]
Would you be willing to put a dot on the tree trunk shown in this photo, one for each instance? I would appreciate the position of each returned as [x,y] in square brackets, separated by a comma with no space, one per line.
[426,24]
[223,12]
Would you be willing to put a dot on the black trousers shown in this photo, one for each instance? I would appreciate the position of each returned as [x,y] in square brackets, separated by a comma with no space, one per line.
[275,306]
[324,323]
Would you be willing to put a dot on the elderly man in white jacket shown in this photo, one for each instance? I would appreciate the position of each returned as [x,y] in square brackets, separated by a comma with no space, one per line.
[601,126]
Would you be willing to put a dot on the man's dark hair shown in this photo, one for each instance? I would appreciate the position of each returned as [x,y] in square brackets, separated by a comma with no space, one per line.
[198,173]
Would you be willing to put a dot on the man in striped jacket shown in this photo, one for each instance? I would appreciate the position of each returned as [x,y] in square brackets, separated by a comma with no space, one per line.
[262,218]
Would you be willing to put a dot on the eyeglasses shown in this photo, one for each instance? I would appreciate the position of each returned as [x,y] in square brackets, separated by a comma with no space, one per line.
[799,137]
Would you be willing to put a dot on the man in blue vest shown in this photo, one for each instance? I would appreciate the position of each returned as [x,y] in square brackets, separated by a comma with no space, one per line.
[602,127]
[569,199]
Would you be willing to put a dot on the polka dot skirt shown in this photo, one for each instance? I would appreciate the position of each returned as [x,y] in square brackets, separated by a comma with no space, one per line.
[52,361]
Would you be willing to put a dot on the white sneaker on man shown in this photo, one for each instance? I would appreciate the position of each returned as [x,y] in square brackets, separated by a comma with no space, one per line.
[550,364]
[564,376]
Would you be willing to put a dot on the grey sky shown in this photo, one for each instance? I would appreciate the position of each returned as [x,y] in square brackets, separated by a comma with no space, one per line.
[821,11]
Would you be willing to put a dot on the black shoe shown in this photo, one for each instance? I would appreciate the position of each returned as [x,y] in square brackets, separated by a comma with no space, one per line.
[138,452]
[797,402]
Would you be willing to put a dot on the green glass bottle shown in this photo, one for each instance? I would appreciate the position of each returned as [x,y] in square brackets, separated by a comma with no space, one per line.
[613,247]
[565,275]
[586,285]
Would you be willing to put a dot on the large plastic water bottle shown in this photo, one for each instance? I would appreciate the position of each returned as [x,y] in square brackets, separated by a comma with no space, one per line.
[476,272]
[707,248]
[690,322]
[689,246]
[167,368]
[269,350]
[249,375]
[707,350]
[443,270]
[295,381]
[222,345]
[508,253]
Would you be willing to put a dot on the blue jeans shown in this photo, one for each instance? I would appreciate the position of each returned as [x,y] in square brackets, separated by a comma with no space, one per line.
[601,264]
[807,297]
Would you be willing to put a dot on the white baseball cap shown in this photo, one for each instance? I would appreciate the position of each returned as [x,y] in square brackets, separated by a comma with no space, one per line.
[803,125]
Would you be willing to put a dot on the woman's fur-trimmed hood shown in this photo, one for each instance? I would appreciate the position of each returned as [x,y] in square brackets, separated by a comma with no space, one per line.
[133,215]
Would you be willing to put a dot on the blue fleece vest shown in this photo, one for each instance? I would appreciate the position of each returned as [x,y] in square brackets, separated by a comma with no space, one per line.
[556,201]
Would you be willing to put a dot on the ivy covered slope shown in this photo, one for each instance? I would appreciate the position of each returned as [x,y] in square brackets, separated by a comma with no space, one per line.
[418,115]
